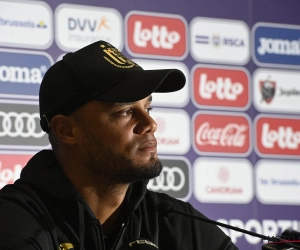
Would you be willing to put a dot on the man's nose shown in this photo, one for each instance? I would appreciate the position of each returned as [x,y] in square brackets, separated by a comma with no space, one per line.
[145,124]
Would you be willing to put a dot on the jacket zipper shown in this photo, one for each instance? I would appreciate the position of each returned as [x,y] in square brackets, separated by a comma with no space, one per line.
[123,227]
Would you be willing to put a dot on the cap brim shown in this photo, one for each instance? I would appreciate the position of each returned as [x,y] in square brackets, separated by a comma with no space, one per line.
[143,83]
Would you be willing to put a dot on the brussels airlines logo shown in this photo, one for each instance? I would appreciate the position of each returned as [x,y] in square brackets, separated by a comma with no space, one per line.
[278,136]
[158,35]
[276,44]
[22,23]
[220,87]
[21,73]
[26,24]
[174,179]
[221,134]
[272,186]
[78,26]
[20,127]
[10,167]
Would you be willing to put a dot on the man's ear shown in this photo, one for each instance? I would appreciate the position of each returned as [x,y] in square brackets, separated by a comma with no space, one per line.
[63,127]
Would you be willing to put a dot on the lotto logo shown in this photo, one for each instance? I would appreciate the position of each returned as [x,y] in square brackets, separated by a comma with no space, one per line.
[277,136]
[220,87]
[221,134]
[156,35]
[10,167]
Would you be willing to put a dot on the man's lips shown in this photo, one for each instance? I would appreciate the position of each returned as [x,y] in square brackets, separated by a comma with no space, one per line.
[149,146]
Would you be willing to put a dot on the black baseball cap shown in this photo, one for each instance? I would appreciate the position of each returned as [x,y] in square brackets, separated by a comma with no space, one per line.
[99,71]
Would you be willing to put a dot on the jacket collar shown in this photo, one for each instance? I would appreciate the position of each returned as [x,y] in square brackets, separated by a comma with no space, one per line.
[44,173]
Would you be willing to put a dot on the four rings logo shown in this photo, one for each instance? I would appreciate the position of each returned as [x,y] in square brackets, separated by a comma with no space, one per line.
[156,34]
[174,180]
[23,125]
[20,128]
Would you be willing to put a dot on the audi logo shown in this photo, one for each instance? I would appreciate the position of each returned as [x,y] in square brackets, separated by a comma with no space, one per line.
[166,181]
[20,124]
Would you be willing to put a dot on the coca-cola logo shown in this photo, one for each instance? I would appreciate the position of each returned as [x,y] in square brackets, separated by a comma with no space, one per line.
[215,133]
[278,136]
[221,87]
[156,35]
[10,167]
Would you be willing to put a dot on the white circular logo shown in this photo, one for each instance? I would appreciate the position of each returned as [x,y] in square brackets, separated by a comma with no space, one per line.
[23,125]
[166,180]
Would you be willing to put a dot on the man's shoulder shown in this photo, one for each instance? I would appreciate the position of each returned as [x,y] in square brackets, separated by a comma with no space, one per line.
[16,197]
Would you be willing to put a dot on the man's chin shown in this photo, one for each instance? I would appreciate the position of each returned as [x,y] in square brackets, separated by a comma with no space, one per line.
[143,171]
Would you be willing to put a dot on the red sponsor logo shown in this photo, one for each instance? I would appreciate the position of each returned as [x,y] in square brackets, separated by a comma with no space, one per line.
[221,87]
[156,35]
[10,167]
[222,134]
[278,136]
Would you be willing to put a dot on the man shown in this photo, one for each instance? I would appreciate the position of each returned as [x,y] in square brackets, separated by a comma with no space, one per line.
[90,191]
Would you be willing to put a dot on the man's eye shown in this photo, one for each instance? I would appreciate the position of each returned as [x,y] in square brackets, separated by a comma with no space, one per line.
[126,112]
[148,110]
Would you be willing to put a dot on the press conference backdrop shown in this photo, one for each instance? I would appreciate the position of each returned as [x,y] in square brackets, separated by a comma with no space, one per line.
[229,141]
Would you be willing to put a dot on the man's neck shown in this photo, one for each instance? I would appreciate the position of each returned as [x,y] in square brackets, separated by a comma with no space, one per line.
[104,198]
[106,203]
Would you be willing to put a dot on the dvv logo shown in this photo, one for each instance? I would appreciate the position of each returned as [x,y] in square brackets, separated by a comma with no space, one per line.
[174,179]
[79,25]
[21,73]
[156,35]
[276,44]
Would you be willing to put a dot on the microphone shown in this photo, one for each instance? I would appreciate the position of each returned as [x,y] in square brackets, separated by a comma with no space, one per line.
[139,244]
[290,236]
[168,209]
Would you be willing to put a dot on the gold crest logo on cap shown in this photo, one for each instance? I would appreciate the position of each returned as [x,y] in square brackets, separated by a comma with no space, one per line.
[116,58]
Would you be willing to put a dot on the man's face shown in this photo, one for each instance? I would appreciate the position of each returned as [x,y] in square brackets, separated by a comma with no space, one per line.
[116,140]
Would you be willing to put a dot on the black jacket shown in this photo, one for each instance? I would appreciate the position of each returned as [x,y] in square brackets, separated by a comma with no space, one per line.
[42,210]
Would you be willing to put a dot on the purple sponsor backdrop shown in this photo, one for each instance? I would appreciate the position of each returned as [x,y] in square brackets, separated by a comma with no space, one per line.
[253,215]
